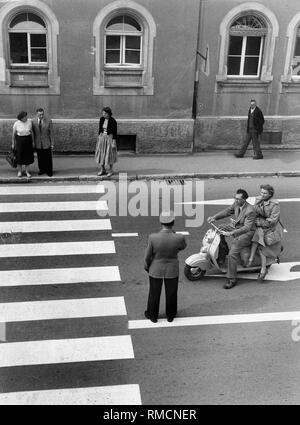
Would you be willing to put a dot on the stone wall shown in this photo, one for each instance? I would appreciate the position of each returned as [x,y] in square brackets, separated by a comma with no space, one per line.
[228,132]
[152,136]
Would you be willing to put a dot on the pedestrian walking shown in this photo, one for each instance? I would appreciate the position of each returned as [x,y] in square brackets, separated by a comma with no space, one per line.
[162,264]
[22,143]
[269,229]
[254,129]
[43,140]
[106,147]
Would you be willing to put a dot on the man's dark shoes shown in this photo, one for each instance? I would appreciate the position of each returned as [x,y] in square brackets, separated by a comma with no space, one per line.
[258,157]
[170,319]
[230,283]
[238,155]
[147,315]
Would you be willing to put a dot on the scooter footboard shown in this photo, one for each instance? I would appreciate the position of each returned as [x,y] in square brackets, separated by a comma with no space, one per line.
[199,260]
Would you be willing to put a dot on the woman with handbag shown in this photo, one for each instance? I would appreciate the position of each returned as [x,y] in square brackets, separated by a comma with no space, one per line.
[106,148]
[22,143]
[269,230]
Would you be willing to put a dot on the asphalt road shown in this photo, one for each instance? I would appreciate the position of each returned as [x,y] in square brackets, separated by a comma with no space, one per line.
[237,363]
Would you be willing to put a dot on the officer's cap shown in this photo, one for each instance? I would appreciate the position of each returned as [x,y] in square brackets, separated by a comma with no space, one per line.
[166,217]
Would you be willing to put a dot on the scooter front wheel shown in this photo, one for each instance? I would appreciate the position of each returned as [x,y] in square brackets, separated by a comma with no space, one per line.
[193,273]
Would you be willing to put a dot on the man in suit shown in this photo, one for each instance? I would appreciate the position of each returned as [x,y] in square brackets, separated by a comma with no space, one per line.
[242,229]
[162,265]
[43,140]
[254,129]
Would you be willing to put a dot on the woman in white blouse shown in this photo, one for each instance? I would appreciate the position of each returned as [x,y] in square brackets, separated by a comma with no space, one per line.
[22,142]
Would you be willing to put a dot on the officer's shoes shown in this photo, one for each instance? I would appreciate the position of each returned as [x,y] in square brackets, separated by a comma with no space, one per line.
[149,317]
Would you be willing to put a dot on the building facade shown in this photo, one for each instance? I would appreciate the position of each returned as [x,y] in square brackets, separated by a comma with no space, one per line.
[73,57]
[254,52]
[178,75]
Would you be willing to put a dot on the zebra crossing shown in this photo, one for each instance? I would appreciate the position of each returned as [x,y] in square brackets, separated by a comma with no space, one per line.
[58,351]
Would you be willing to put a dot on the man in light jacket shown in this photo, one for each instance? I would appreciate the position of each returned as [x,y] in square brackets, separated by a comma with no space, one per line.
[242,230]
[43,140]
[162,265]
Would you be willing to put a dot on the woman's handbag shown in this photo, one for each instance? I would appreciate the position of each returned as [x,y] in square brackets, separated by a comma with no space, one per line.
[274,235]
[11,158]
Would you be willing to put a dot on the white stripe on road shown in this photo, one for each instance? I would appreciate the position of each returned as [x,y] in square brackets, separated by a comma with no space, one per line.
[57,248]
[109,395]
[55,225]
[216,320]
[229,201]
[65,351]
[59,276]
[277,272]
[62,309]
[120,235]
[53,206]
[50,189]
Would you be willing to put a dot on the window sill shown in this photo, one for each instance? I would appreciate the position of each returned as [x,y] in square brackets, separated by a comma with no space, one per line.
[125,78]
[232,85]
[28,77]
[28,67]
[290,85]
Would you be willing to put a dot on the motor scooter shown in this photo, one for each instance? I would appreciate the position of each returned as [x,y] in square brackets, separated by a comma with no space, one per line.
[212,259]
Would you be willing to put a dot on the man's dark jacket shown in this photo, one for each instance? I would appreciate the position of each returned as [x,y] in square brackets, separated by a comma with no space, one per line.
[258,120]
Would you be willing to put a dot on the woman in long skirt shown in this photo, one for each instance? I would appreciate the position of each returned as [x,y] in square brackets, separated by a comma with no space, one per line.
[267,220]
[106,147]
[22,143]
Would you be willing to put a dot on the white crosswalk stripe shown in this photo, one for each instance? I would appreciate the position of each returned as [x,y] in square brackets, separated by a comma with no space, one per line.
[57,248]
[59,276]
[12,207]
[217,320]
[62,309]
[51,189]
[54,226]
[109,395]
[66,350]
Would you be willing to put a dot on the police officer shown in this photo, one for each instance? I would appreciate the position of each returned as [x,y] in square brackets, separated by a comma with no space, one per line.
[162,265]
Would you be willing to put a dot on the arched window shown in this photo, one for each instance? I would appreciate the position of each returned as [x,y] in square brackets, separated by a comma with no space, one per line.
[27,39]
[123,41]
[296,57]
[246,40]
[124,33]
[28,49]
[248,35]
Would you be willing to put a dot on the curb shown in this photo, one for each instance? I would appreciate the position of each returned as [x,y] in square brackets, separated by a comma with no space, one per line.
[90,178]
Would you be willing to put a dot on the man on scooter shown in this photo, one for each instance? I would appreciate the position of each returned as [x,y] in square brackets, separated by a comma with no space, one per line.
[242,229]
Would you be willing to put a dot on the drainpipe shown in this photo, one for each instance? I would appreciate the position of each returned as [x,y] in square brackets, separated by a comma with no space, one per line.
[196,80]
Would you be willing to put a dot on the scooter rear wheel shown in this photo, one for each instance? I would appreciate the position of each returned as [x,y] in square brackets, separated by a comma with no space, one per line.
[193,273]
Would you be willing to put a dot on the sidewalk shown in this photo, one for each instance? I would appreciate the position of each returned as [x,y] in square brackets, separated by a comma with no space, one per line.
[216,164]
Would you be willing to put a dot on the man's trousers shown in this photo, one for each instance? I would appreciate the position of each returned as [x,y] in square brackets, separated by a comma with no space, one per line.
[171,287]
[233,257]
[44,157]
[254,136]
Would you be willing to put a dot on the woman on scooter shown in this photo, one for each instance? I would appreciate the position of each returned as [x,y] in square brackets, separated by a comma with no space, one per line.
[269,231]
